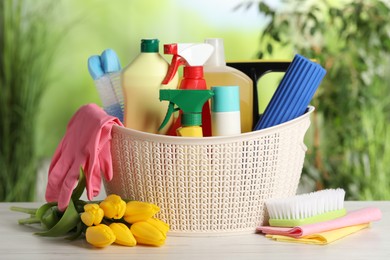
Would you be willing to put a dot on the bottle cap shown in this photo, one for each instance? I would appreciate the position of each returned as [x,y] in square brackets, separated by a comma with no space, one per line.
[191,119]
[149,45]
[225,99]
[217,59]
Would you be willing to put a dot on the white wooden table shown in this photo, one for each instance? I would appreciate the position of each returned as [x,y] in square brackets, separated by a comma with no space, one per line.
[18,242]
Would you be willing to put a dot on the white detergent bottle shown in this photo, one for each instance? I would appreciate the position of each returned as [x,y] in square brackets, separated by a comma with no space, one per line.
[225,110]
[141,83]
[216,73]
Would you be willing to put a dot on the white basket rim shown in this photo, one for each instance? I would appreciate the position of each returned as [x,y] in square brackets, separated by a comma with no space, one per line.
[212,139]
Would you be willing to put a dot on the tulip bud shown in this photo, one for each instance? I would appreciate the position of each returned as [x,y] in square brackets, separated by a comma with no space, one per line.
[149,233]
[113,207]
[123,234]
[159,224]
[92,214]
[100,235]
[139,211]
[50,218]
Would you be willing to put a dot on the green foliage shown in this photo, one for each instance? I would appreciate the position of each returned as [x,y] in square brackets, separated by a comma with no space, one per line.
[352,122]
[25,54]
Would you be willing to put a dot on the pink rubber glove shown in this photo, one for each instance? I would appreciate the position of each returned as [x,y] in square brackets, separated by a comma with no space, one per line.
[86,144]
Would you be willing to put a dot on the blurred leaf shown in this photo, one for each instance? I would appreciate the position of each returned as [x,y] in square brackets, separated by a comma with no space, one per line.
[269,48]
[26,51]
[264,8]
[246,5]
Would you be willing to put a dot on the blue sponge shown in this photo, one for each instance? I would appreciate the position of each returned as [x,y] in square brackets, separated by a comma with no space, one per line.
[294,92]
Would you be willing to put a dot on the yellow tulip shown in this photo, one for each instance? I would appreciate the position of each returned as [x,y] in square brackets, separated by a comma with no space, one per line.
[123,234]
[100,235]
[113,207]
[92,214]
[139,211]
[151,232]
[159,224]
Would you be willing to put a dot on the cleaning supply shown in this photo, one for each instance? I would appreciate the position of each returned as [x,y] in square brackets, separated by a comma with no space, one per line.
[141,82]
[192,56]
[308,208]
[294,92]
[86,144]
[255,69]
[105,71]
[322,238]
[216,73]
[225,110]
[112,68]
[352,218]
[191,103]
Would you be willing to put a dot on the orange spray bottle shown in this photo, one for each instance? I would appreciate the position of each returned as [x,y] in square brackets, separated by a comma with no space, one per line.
[192,56]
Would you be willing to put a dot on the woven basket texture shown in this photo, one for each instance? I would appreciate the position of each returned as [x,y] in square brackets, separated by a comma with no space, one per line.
[213,185]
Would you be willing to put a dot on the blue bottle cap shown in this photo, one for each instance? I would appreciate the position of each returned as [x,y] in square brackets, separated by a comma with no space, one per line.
[225,99]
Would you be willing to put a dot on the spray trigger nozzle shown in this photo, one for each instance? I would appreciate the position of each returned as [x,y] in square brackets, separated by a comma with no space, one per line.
[190,102]
[170,111]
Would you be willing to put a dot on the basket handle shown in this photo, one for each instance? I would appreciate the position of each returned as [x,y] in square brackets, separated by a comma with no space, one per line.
[305,126]
[255,69]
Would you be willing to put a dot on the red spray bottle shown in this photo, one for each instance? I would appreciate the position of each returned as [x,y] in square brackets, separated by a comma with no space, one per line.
[192,56]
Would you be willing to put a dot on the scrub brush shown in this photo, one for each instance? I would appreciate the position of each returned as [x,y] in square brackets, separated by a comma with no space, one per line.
[105,71]
[306,209]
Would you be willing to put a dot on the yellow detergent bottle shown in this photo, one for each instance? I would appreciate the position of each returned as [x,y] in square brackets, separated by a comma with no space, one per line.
[216,73]
[190,102]
[141,83]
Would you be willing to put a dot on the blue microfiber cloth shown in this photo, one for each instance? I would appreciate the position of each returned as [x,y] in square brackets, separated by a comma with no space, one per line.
[294,92]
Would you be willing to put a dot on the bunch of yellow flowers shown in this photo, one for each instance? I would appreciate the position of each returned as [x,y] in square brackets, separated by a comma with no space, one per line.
[110,221]
[115,221]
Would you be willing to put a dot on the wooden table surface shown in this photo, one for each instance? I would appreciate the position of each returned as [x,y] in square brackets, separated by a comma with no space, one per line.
[18,242]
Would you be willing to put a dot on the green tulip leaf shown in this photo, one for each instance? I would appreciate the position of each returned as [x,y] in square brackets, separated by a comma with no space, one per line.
[78,191]
[50,218]
[79,230]
[68,221]
[45,207]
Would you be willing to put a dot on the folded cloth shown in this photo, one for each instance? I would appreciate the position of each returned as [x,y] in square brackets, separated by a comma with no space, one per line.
[352,218]
[87,145]
[321,238]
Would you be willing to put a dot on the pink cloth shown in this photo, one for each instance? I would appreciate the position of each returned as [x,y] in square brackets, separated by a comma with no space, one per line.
[352,218]
[86,144]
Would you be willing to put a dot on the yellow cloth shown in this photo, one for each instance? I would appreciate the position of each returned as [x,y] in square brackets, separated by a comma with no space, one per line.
[322,238]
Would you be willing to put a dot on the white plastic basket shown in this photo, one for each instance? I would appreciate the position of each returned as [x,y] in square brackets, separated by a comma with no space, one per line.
[213,185]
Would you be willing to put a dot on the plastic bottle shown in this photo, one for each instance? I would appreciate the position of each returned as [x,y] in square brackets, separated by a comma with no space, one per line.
[225,110]
[216,73]
[192,56]
[191,103]
[141,83]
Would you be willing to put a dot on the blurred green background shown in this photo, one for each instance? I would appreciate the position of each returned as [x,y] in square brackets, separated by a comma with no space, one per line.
[350,130]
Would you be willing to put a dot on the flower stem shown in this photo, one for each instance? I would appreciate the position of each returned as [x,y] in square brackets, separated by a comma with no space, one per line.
[27,221]
[24,210]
